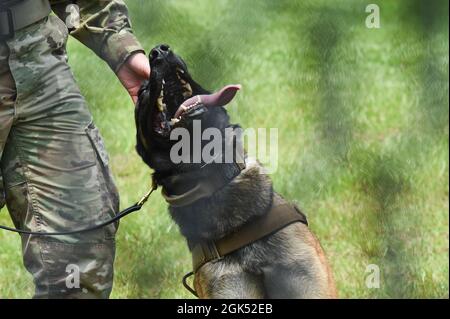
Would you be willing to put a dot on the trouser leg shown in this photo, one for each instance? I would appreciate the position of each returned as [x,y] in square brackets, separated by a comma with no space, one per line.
[56,173]
[7,98]
[60,185]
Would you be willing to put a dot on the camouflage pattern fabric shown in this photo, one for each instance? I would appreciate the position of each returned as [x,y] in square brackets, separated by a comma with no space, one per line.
[54,167]
[103,26]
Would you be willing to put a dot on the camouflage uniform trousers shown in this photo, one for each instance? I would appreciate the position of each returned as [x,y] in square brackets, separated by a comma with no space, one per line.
[54,166]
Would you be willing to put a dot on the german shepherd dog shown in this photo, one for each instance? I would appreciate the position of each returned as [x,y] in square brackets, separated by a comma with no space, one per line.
[289,263]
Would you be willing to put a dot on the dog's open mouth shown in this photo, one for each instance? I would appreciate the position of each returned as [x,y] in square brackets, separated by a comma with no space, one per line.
[173,90]
[176,97]
[192,108]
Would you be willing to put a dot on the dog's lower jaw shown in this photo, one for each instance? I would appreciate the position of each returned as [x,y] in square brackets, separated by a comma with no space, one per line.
[221,214]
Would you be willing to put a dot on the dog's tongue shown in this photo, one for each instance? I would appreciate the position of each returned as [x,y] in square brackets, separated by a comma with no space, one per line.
[220,98]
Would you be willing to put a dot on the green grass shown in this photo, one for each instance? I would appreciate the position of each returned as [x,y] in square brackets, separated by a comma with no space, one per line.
[363,135]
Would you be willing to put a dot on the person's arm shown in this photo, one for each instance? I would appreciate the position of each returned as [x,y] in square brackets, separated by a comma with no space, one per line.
[104,26]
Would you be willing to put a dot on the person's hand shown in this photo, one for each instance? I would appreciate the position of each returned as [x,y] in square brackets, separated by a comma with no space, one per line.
[133,72]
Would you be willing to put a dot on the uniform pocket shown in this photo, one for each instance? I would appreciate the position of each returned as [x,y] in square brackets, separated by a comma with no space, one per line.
[97,141]
[108,188]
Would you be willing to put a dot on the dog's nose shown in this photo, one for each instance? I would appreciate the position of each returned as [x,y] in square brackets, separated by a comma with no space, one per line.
[160,52]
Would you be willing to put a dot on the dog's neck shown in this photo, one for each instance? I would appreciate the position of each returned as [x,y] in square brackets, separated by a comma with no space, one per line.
[188,182]
[186,188]
[247,196]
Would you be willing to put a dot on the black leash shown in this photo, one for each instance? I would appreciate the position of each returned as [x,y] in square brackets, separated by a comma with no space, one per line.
[119,216]
[186,285]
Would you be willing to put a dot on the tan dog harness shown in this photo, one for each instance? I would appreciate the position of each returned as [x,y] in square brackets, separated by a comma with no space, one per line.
[280,215]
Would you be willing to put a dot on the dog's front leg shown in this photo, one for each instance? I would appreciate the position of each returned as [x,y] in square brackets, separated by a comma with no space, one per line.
[225,280]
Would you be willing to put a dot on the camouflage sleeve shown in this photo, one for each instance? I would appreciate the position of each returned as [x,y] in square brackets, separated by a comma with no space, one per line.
[102,25]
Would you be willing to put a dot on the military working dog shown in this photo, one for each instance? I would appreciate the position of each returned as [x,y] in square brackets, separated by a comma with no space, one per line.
[213,201]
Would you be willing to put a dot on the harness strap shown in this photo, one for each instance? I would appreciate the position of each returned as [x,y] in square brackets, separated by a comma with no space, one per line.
[281,215]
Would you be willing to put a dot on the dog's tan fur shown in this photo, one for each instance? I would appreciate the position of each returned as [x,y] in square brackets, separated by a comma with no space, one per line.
[269,273]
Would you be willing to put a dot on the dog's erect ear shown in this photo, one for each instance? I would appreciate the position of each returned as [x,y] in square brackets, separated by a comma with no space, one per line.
[220,98]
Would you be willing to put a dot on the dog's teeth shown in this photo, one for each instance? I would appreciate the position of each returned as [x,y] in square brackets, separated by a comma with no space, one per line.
[187,91]
[160,104]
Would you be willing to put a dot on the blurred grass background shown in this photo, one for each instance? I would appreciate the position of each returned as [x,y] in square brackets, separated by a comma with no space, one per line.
[363,135]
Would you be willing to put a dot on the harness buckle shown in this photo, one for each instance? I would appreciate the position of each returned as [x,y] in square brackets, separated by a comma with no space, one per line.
[9,33]
[211,252]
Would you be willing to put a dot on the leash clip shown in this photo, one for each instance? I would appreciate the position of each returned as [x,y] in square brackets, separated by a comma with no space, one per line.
[146,196]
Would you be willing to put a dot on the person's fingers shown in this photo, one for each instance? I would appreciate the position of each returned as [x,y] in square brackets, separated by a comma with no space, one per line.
[145,69]
[140,65]
[133,73]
